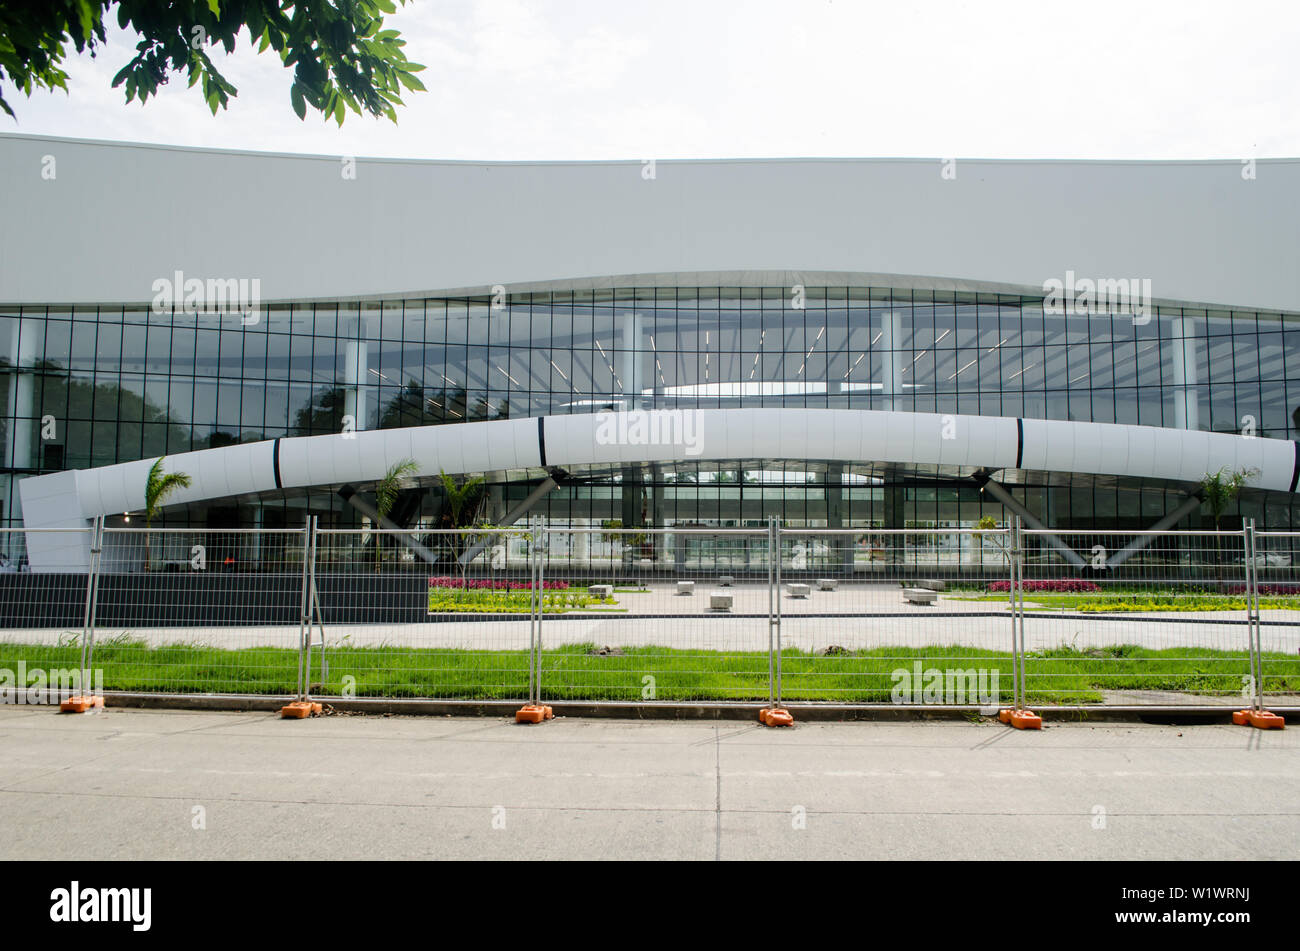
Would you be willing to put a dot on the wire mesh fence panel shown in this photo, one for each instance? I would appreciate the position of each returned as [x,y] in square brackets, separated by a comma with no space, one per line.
[437,614]
[42,615]
[894,616]
[656,614]
[684,614]
[1136,619]
[1277,577]
[199,611]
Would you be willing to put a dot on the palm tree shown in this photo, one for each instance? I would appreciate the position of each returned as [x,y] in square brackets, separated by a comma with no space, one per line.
[1222,488]
[156,489]
[1219,490]
[386,495]
[462,503]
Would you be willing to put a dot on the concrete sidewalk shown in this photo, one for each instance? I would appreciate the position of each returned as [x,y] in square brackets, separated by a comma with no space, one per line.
[138,784]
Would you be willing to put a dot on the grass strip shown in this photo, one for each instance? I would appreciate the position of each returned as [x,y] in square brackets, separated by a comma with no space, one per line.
[583,672]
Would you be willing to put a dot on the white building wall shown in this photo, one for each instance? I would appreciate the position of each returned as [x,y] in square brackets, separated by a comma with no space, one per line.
[1197,230]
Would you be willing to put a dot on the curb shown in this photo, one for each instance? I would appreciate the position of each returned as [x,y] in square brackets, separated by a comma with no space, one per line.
[652,710]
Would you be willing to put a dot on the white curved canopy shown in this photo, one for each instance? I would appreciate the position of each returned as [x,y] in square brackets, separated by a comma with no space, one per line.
[69,499]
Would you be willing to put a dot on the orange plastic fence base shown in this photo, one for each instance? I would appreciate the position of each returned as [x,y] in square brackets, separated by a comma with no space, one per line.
[775,716]
[1260,719]
[1021,719]
[80,704]
[300,709]
[533,713]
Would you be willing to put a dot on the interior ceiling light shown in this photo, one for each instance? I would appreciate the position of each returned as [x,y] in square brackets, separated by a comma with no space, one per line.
[1018,372]
[963,369]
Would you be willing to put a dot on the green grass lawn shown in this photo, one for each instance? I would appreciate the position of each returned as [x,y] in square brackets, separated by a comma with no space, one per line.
[1120,601]
[578,672]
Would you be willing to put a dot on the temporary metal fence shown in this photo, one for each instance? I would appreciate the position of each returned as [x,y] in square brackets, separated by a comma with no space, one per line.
[1162,618]
[924,618]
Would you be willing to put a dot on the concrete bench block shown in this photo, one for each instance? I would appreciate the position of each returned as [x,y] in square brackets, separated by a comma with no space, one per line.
[799,590]
[686,587]
[726,580]
[920,595]
[601,590]
[934,584]
[720,600]
[826,584]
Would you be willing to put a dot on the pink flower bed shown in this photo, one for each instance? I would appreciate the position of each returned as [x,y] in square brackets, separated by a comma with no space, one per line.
[1266,590]
[502,584]
[1057,585]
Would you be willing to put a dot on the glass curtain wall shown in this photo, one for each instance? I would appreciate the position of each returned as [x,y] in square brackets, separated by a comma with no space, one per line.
[91,386]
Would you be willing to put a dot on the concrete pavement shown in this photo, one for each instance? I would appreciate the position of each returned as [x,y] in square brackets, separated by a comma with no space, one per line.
[137,784]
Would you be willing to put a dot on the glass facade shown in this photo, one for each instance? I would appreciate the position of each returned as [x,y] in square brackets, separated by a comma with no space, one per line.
[91,386]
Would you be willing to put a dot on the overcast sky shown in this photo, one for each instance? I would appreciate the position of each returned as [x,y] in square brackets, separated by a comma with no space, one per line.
[598,79]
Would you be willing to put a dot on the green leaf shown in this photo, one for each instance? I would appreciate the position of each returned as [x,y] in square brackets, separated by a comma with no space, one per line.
[410,82]
[341,46]
[87,15]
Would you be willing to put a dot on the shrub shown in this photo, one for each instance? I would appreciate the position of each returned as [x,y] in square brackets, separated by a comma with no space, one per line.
[1057,585]
[447,600]
[499,584]
[1266,590]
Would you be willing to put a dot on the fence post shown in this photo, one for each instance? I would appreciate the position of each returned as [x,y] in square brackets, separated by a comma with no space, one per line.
[301,706]
[538,546]
[532,606]
[1255,715]
[86,698]
[1252,617]
[533,710]
[1014,596]
[92,595]
[774,714]
[773,602]
[1018,716]
[776,528]
[309,605]
[304,605]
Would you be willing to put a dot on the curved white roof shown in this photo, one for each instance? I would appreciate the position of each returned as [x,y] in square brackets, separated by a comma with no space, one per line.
[68,499]
[116,217]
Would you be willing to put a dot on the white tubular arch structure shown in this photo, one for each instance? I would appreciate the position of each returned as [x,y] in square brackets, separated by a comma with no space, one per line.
[71,499]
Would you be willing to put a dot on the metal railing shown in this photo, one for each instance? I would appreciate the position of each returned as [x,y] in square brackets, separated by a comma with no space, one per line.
[757,615]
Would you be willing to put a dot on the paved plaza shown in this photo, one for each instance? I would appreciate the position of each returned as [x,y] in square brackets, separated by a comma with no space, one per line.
[855,616]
